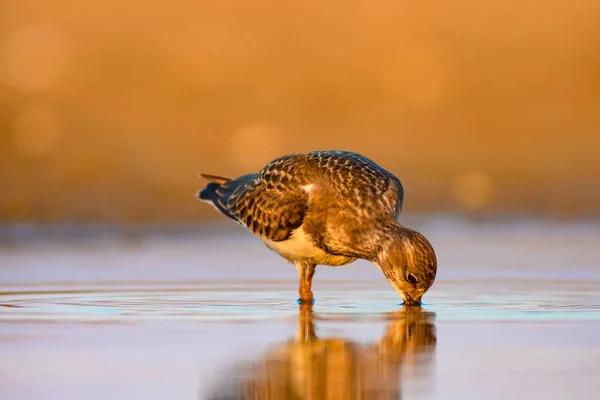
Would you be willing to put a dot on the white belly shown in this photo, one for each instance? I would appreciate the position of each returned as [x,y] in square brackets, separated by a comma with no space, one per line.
[300,247]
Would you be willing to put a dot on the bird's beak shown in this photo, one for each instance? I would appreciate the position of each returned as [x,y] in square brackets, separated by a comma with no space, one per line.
[412,299]
[409,301]
[410,295]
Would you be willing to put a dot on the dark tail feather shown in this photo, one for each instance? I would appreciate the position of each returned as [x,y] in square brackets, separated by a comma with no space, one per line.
[220,190]
[217,195]
[208,193]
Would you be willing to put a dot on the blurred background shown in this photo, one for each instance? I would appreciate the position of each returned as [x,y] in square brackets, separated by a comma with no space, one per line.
[109,110]
[488,112]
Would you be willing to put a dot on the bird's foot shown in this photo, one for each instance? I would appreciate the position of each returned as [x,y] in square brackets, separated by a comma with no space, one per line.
[306,300]
[411,304]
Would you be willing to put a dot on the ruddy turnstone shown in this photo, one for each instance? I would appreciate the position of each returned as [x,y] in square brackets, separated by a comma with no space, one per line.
[328,208]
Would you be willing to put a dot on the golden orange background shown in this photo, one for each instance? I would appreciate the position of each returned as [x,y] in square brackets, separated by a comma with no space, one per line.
[109,110]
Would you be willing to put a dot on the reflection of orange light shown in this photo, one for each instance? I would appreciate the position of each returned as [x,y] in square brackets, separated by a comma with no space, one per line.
[253,146]
[36,130]
[473,189]
[35,57]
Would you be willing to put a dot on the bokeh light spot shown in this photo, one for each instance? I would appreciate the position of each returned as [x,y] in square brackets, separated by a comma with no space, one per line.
[34,57]
[473,189]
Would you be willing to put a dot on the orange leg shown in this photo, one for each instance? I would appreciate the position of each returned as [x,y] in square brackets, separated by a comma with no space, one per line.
[306,270]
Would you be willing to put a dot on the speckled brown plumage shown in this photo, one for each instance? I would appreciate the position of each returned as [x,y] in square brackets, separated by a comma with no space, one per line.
[329,208]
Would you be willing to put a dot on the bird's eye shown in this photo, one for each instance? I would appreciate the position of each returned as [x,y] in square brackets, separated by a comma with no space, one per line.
[411,278]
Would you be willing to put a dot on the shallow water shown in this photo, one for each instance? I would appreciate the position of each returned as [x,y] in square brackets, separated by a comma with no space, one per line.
[514,313]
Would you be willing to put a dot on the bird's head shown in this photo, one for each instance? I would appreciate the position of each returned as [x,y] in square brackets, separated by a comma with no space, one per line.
[408,261]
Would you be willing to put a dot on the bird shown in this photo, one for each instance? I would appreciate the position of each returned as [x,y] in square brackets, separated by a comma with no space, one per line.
[329,208]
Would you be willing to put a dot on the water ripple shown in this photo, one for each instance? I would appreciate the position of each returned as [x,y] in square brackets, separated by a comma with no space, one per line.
[260,300]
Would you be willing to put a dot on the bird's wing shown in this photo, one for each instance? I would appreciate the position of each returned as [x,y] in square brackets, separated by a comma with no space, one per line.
[361,182]
[271,203]
[270,209]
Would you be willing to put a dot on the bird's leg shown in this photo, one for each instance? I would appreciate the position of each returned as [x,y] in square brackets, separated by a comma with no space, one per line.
[306,270]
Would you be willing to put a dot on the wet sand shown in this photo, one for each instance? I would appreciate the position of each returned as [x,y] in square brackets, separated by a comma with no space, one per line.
[514,313]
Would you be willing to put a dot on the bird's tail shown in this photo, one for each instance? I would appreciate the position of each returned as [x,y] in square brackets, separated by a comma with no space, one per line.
[215,182]
[214,178]
[219,191]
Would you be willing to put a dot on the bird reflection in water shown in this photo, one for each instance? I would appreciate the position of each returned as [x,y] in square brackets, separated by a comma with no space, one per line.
[316,368]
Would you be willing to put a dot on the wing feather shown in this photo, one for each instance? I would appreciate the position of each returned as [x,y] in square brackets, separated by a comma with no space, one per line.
[270,204]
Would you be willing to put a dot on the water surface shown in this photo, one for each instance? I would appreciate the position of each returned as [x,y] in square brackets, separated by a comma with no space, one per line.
[514,313]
